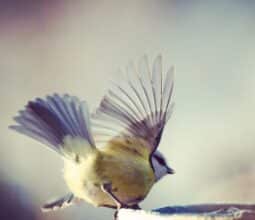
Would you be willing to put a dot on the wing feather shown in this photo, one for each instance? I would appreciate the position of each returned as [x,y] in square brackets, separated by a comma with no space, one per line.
[55,119]
[140,107]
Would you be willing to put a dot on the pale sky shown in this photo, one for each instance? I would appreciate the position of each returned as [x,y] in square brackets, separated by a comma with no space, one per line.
[77,48]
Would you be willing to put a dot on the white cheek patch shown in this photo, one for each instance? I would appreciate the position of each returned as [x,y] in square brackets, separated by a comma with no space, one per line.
[159,169]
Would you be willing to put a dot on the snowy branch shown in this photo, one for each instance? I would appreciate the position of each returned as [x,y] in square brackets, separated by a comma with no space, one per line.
[193,212]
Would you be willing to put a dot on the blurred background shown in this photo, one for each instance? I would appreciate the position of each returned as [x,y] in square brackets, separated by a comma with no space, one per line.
[77,46]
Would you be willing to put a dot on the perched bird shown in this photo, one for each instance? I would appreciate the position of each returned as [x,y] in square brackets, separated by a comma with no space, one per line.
[110,157]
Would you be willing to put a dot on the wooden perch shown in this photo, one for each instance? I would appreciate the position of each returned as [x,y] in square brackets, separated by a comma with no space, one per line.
[192,212]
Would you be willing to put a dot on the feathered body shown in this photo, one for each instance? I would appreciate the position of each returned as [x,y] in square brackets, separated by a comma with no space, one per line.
[122,172]
[116,163]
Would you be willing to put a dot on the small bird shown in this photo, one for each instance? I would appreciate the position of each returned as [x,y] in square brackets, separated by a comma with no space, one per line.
[110,156]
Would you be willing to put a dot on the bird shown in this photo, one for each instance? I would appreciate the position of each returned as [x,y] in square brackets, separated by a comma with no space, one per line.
[111,157]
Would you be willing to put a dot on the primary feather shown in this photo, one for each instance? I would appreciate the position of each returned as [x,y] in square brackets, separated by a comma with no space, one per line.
[138,108]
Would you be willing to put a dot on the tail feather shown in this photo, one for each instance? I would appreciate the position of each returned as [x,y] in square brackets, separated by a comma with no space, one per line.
[60,203]
[51,120]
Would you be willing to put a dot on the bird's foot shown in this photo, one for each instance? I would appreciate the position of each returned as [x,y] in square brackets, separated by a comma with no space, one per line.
[135,207]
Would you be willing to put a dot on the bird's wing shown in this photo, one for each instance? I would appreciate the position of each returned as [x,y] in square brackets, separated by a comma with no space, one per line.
[61,122]
[138,107]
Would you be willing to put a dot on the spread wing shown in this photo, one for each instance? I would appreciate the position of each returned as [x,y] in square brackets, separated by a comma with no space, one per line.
[61,122]
[138,106]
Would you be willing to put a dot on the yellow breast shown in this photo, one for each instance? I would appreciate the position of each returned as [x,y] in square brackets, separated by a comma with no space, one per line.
[129,172]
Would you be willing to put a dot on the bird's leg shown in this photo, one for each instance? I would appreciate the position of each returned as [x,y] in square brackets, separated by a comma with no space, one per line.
[107,188]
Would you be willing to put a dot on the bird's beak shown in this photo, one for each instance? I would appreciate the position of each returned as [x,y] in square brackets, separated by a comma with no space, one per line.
[170,170]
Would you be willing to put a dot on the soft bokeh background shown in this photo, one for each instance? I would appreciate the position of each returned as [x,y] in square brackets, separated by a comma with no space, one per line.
[76,46]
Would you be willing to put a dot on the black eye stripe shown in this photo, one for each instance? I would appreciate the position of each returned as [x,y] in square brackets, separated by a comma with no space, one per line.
[160,160]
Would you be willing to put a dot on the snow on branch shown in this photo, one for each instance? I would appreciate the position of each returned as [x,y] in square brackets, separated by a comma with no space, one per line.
[193,212]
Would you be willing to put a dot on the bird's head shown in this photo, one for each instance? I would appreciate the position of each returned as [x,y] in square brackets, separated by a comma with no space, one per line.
[160,166]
